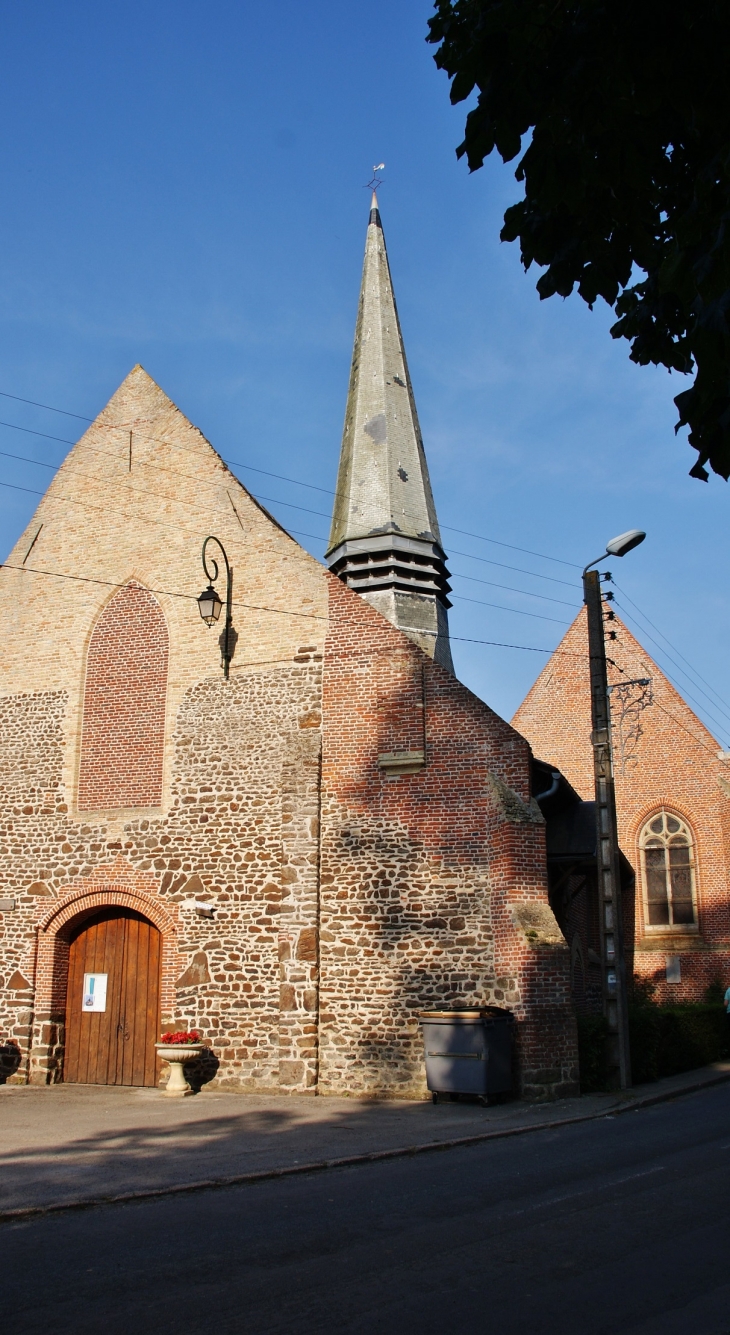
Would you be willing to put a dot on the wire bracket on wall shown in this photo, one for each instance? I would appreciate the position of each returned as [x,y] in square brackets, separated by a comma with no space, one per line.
[628,700]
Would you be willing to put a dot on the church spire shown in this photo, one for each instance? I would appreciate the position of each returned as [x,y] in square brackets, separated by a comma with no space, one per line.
[385,541]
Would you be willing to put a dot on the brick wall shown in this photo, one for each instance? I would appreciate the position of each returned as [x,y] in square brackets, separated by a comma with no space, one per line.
[427,880]
[673,763]
[123,727]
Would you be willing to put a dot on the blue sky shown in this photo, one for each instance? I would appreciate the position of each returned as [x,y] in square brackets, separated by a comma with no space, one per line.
[183,186]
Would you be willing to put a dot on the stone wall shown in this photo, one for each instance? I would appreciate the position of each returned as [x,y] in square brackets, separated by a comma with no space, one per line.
[34,850]
[240,838]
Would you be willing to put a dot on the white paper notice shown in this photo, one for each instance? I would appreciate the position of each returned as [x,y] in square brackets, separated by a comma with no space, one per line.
[94,998]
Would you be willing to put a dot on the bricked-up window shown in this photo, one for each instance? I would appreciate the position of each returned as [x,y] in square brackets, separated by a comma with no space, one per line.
[667,854]
[123,732]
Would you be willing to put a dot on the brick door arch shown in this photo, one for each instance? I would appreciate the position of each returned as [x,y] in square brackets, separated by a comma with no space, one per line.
[55,931]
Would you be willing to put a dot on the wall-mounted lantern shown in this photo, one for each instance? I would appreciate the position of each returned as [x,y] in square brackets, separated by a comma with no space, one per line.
[210,603]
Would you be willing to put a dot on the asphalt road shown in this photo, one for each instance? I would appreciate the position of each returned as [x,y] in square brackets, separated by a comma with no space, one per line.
[620,1225]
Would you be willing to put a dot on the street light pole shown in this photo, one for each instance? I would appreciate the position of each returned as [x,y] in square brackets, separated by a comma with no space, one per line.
[613,964]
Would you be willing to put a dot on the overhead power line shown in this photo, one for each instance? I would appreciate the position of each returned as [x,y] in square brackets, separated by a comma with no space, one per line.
[166,593]
[480,537]
[15,487]
[105,509]
[269,500]
[278,611]
[274,500]
[34,404]
[517,610]
[544,597]
[529,648]
[178,500]
[717,702]
[311,616]
[682,689]
[692,670]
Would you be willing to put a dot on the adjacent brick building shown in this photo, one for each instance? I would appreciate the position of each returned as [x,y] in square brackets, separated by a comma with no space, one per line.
[673,806]
[304,855]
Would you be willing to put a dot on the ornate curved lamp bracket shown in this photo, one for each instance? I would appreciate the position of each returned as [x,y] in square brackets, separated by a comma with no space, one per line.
[210,603]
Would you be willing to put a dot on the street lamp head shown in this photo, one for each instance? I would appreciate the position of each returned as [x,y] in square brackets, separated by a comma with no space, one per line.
[625,542]
[210,605]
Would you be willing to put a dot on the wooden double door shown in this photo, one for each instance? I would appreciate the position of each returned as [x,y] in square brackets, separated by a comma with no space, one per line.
[113,1000]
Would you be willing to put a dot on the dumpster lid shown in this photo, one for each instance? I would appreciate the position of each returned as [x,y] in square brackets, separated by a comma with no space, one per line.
[473,1013]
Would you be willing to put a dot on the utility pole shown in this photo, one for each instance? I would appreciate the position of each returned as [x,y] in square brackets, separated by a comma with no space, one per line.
[613,965]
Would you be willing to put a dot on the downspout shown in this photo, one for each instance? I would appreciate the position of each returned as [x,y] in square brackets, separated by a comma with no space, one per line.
[552,790]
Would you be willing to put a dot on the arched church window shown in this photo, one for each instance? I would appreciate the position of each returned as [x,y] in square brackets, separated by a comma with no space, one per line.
[668,865]
[123,727]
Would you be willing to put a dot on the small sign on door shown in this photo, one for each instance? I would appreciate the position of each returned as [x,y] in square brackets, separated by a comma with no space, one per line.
[94,997]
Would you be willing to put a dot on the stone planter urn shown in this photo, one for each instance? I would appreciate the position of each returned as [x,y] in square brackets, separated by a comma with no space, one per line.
[178,1055]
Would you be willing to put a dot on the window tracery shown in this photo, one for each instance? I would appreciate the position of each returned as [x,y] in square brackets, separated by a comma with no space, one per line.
[668,866]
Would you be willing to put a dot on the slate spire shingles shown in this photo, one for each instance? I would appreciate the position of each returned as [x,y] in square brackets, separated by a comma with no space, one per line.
[385,540]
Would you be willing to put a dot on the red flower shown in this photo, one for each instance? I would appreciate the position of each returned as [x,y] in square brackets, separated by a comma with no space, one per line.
[182,1037]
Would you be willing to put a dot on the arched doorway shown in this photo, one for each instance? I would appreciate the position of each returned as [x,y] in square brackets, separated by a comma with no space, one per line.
[113,1000]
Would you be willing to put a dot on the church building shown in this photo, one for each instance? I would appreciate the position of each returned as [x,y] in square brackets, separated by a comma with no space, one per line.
[292,857]
[673,807]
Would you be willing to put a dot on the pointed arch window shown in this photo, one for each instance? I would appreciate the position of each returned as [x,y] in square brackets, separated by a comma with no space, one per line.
[668,867]
[123,727]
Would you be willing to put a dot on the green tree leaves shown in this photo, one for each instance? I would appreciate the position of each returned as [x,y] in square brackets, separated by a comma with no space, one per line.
[621,113]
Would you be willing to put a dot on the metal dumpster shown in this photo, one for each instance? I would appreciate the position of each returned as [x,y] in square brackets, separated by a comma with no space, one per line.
[468,1051]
